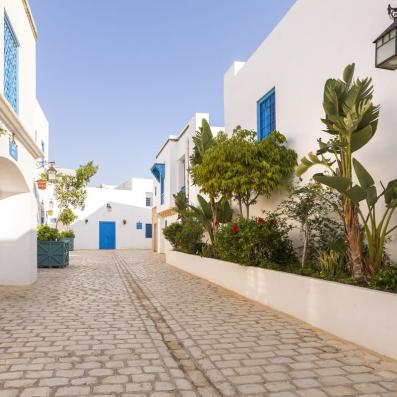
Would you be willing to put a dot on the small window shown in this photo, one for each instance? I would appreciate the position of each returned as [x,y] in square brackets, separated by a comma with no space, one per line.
[266,108]
[148,230]
[42,146]
[149,199]
[139,225]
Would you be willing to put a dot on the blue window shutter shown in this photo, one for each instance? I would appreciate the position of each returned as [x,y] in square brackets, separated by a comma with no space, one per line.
[13,149]
[148,230]
[11,65]
[266,114]
[162,189]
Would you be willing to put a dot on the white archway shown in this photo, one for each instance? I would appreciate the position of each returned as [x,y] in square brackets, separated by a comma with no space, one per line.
[18,223]
[12,180]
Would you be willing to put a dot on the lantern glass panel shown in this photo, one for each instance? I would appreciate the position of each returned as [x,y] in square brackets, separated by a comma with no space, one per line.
[387,50]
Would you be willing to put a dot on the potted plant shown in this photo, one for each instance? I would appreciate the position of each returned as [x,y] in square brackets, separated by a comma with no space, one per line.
[51,250]
[68,237]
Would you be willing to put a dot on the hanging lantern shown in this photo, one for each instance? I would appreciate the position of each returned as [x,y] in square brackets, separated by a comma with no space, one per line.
[386,44]
[42,184]
[52,172]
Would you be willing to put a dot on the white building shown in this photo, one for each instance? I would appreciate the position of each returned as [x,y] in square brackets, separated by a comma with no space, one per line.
[281,85]
[114,217]
[172,176]
[23,141]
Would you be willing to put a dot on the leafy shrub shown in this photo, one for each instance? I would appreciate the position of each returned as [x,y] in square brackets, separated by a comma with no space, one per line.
[255,242]
[385,279]
[332,264]
[185,236]
[46,233]
[67,216]
[67,234]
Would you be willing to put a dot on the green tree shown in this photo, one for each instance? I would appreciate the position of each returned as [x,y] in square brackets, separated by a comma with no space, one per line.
[70,191]
[66,217]
[243,168]
[351,120]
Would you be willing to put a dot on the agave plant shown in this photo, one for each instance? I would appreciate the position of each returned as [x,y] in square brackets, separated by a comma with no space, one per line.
[351,120]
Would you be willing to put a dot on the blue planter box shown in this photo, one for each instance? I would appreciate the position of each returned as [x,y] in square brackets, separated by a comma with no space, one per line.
[52,254]
[70,241]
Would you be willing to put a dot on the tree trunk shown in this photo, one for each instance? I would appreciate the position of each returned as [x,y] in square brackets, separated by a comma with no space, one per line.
[247,210]
[305,243]
[240,207]
[353,237]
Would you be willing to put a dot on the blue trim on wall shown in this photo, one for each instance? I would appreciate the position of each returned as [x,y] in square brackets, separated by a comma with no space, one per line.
[158,171]
[266,112]
[13,150]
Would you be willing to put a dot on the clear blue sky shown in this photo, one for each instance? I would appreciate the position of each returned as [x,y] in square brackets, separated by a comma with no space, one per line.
[116,78]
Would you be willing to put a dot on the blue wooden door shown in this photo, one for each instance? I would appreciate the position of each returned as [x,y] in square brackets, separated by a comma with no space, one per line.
[107,235]
[148,230]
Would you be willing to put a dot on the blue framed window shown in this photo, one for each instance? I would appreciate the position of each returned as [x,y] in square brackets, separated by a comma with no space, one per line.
[42,146]
[266,109]
[139,226]
[148,230]
[11,65]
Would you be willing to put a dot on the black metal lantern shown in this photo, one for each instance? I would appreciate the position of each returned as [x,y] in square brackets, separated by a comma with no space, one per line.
[386,44]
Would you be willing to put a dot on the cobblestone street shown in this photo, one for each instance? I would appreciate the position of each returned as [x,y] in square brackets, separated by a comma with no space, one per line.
[126,324]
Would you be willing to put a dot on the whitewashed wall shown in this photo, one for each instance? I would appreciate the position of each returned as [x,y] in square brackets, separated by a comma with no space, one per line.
[126,205]
[177,148]
[314,42]
[18,200]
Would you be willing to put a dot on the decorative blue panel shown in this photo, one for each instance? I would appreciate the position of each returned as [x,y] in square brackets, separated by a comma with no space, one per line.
[10,65]
[13,150]
[266,108]
[158,171]
[148,230]
[139,225]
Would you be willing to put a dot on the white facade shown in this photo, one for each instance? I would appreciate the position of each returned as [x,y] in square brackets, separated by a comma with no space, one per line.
[174,157]
[314,42]
[24,128]
[125,205]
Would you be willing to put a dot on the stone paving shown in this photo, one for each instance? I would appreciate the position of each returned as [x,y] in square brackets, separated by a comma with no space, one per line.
[126,324]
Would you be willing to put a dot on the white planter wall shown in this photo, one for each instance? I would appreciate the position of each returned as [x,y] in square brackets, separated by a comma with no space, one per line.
[362,316]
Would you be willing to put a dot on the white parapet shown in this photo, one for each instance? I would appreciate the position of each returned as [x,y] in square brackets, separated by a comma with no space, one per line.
[363,316]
